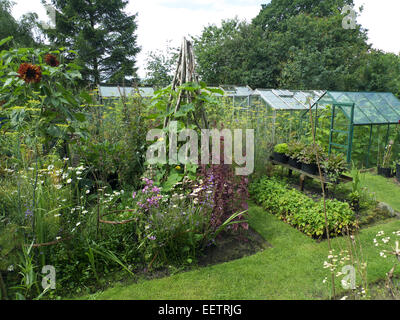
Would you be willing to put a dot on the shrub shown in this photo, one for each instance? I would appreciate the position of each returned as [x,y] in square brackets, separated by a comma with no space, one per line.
[300,211]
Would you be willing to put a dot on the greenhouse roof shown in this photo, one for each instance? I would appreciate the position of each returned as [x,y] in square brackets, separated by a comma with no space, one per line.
[369,107]
[236,91]
[289,99]
[110,92]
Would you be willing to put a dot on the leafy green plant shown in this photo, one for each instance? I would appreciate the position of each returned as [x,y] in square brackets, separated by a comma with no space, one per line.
[29,287]
[334,165]
[309,154]
[300,211]
[281,148]
[294,149]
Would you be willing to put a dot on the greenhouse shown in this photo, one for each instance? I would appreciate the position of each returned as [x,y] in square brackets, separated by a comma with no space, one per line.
[280,111]
[239,96]
[360,124]
[114,92]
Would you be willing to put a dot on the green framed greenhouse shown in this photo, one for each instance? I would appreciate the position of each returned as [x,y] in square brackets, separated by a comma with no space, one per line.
[358,124]
[281,110]
[365,116]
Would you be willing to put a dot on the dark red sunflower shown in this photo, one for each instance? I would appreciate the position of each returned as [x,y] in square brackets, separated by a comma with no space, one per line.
[51,60]
[30,73]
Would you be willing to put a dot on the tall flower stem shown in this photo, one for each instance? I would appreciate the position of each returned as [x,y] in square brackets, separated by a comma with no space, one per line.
[323,195]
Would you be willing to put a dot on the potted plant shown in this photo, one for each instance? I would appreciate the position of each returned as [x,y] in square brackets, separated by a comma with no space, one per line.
[385,169]
[308,160]
[294,151]
[333,166]
[280,151]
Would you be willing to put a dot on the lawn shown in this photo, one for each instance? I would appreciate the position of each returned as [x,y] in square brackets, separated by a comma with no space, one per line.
[385,189]
[292,269]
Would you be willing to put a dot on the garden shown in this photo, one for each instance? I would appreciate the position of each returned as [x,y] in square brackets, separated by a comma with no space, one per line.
[102,195]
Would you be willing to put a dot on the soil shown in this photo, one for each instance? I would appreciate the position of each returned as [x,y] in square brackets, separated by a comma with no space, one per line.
[234,246]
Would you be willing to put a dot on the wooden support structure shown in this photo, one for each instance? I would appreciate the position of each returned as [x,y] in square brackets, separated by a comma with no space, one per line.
[304,175]
[185,73]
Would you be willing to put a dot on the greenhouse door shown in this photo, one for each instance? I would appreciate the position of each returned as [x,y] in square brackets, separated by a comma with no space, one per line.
[349,132]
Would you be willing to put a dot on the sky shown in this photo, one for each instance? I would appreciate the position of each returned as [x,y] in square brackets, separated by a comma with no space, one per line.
[163,21]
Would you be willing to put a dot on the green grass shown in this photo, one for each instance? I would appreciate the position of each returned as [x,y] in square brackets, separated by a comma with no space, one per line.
[292,269]
[386,190]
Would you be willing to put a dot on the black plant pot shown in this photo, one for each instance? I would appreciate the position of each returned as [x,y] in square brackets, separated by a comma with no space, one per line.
[309,168]
[281,157]
[294,163]
[398,172]
[386,172]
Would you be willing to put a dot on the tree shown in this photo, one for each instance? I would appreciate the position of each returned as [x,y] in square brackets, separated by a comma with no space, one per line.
[160,67]
[19,30]
[317,53]
[217,50]
[273,14]
[103,36]
[379,71]
[298,44]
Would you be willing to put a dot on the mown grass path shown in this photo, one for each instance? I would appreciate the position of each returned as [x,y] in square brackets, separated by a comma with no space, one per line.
[386,190]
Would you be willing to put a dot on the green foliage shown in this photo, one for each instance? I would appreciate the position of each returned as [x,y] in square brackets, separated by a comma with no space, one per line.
[21,31]
[54,110]
[114,150]
[232,54]
[160,67]
[295,44]
[334,165]
[276,12]
[302,212]
[294,149]
[310,153]
[281,148]
[102,34]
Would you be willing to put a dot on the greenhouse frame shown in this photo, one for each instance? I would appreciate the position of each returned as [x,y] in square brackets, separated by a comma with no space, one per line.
[363,112]
[353,116]
[115,92]
[283,106]
[361,109]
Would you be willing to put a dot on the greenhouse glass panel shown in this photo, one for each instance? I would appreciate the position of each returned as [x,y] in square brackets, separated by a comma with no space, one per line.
[385,108]
[287,99]
[293,103]
[272,100]
[243,91]
[365,112]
